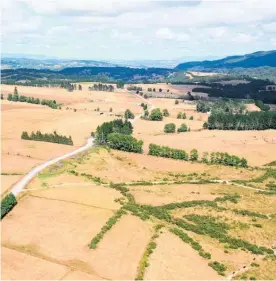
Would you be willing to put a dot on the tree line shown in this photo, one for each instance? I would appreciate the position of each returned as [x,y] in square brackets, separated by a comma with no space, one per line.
[102,87]
[214,158]
[124,143]
[7,204]
[55,138]
[250,121]
[256,90]
[18,98]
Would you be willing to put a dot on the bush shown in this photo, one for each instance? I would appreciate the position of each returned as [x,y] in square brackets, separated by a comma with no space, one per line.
[194,155]
[176,102]
[219,267]
[166,112]
[183,128]
[262,106]
[191,118]
[124,143]
[7,204]
[156,115]
[110,109]
[170,128]
[181,115]
[129,114]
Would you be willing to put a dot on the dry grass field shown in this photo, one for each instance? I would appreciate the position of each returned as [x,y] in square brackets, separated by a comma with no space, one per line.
[107,214]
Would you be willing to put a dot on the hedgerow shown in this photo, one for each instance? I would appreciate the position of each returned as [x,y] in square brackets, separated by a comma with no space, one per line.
[149,250]
[219,267]
[167,152]
[195,245]
[7,204]
[109,224]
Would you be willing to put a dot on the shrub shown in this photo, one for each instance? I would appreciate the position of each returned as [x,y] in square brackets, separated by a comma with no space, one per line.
[124,143]
[166,112]
[169,128]
[181,115]
[191,118]
[129,114]
[110,109]
[262,106]
[183,128]
[176,102]
[219,267]
[194,155]
[156,115]
[7,204]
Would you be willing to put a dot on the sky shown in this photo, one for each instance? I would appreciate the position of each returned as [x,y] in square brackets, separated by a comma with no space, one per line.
[137,29]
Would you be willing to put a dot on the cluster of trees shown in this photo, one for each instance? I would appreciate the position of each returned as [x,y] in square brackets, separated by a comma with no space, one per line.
[167,152]
[202,107]
[124,143]
[116,126]
[134,88]
[262,106]
[181,115]
[225,159]
[55,138]
[101,87]
[250,121]
[129,114]
[171,128]
[215,158]
[256,89]
[70,87]
[7,204]
[17,98]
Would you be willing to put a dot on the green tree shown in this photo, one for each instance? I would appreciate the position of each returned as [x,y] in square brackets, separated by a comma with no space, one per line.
[129,114]
[183,128]
[124,143]
[183,115]
[170,128]
[191,118]
[120,84]
[156,115]
[166,112]
[10,97]
[179,115]
[194,155]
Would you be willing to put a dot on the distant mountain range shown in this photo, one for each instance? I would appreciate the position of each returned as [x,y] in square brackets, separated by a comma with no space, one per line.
[257,59]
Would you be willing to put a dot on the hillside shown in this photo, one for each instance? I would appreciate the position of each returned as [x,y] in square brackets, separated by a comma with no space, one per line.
[258,59]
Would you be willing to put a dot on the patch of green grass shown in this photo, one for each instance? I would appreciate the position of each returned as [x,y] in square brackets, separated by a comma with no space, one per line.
[219,267]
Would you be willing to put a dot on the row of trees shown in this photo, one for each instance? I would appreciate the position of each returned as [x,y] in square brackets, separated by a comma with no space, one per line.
[17,98]
[154,90]
[116,126]
[102,87]
[250,121]
[124,143]
[134,88]
[70,87]
[55,138]
[214,158]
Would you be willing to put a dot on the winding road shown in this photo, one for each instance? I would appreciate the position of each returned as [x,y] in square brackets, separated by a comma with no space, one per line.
[18,187]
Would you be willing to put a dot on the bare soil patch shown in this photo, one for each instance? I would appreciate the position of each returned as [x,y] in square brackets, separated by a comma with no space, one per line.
[173,259]
[19,266]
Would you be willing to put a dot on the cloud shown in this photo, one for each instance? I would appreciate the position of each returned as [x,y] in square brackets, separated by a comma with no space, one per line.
[138,28]
[168,34]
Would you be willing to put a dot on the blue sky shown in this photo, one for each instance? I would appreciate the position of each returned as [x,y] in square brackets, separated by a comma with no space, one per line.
[137,29]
